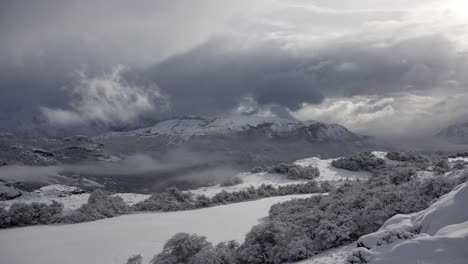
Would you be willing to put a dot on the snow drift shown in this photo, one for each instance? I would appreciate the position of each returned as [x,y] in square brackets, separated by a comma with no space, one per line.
[438,234]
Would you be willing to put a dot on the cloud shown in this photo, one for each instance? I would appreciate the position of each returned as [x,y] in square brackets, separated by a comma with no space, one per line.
[106,99]
[402,115]
[280,54]
[214,77]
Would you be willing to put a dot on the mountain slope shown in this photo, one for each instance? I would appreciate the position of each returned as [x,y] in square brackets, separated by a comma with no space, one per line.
[187,128]
[239,138]
[457,133]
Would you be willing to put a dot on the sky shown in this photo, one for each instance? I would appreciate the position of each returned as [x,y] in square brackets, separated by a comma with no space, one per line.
[381,68]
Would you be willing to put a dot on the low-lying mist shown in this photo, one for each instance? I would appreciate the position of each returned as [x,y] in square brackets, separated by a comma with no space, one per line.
[134,173]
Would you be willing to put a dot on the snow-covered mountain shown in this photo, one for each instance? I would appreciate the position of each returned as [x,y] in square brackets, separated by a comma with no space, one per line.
[178,150]
[240,138]
[457,133]
[187,128]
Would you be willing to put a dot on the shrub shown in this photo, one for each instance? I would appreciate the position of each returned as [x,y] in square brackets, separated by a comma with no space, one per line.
[175,200]
[100,205]
[137,259]
[21,214]
[181,248]
[406,157]
[232,181]
[268,243]
[172,199]
[401,175]
[364,161]
[294,171]
[348,212]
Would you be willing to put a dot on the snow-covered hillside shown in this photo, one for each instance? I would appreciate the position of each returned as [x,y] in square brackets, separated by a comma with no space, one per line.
[436,235]
[327,173]
[113,240]
[186,128]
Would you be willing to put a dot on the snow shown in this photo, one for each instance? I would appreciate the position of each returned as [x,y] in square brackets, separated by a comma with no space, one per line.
[330,173]
[327,173]
[438,234]
[383,155]
[113,240]
[458,159]
[249,180]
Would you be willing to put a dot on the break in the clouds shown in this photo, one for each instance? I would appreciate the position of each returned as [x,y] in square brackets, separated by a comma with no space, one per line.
[369,65]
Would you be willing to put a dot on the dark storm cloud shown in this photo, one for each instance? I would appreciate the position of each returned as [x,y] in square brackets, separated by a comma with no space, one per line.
[214,57]
[213,77]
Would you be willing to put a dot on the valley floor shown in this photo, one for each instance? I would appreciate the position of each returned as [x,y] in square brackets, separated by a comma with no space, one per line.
[113,240]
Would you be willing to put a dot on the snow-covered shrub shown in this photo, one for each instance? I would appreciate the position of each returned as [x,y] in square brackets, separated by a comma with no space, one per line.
[459,165]
[21,214]
[459,155]
[259,169]
[364,161]
[327,186]
[351,210]
[172,199]
[232,181]
[137,259]
[359,256]
[100,205]
[176,200]
[400,175]
[181,248]
[438,186]
[223,253]
[269,243]
[294,171]
[406,157]
[442,166]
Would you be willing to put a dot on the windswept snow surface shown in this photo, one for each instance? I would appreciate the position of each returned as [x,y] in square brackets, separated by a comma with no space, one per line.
[113,240]
[436,235]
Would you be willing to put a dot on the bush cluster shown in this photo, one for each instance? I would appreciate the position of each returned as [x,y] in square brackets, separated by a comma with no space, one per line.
[100,205]
[363,161]
[294,171]
[459,155]
[21,214]
[175,200]
[298,229]
[291,170]
[406,156]
[301,228]
[232,181]
[194,249]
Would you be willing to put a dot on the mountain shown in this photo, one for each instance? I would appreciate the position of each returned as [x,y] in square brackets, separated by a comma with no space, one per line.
[183,152]
[259,138]
[457,133]
[187,128]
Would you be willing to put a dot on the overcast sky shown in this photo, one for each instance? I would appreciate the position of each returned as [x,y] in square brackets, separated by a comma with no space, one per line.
[381,68]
